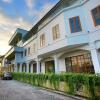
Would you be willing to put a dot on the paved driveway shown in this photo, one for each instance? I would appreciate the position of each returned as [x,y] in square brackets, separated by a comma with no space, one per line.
[13,90]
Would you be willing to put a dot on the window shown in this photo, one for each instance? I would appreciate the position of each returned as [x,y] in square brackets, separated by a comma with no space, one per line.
[21,54]
[75,24]
[25,53]
[29,51]
[96,15]
[34,68]
[18,67]
[80,64]
[42,40]
[49,66]
[56,32]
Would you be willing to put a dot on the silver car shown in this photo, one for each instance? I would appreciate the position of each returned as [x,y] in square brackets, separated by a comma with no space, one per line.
[7,76]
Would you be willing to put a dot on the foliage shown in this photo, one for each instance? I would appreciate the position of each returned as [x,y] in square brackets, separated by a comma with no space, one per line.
[1,74]
[73,81]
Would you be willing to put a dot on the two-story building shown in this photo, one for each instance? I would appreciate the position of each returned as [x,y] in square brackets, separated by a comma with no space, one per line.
[66,39]
[10,58]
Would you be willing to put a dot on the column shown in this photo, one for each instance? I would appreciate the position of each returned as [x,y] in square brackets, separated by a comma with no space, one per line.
[38,66]
[56,62]
[20,68]
[15,68]
[27,66]
[95,58]
[43,67]
[31,67]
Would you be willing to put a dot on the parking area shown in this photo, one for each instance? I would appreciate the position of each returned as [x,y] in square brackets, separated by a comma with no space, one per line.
[14,90]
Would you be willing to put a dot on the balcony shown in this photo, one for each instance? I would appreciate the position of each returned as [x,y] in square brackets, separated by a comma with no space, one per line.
[18,35]
[11,53]
[18,49]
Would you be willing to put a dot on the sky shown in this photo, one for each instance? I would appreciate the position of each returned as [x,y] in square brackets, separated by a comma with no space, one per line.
[20,14]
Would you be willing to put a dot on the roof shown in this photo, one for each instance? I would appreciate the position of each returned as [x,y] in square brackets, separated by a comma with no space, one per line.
[35,27]
[1,56]
[19,33]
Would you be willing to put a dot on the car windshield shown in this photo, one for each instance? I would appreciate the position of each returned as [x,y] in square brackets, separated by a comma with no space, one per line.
[7,73]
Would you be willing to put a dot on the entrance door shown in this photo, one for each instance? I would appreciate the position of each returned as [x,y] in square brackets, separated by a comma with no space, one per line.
[34,68]
[49,67]
[29,68]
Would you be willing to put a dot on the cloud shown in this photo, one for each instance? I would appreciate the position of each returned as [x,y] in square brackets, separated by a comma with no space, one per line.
[30,5]
[8,25]
[44,10]
[7,28]
[7,1]
[4,47]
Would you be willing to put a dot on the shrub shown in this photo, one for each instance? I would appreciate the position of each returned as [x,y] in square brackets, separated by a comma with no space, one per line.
[73,80]
[1,75]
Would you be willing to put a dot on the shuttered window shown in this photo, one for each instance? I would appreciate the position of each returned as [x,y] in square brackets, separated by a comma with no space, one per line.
[96,15]
[29,51]
[75,24]
[25,52]
[56,32]
[42,40]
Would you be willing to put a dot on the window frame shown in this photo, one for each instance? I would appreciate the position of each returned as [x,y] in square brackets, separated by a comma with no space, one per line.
[75,30]
[42,40]
[25,52]
[29,50]
[22,53]
[94,21]
[56,32]
[82,61]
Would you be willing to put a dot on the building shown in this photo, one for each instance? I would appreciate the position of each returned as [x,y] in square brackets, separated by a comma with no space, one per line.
[10,60]
[1,58]
[66,39]
[1,63]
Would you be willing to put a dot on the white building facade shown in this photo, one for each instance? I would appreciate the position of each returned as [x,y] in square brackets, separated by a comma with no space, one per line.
[66,39]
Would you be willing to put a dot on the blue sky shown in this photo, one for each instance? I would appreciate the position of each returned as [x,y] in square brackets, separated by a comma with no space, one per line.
[20,13]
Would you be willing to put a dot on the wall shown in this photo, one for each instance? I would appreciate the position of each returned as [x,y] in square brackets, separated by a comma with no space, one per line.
[89,32]
[47,30]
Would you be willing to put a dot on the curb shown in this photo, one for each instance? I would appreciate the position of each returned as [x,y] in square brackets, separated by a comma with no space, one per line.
[63,94]
[56,92]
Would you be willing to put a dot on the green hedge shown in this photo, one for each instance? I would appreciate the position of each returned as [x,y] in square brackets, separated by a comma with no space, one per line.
[73,80]
[1,75]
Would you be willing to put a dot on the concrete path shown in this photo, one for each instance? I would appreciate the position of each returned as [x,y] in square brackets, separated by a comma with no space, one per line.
[13,90]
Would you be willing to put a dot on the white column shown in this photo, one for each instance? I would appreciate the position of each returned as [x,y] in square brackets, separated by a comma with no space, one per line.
[38,66]
[56,62]
[62,66]
[32,68]
[20,70]
[15,67]
[43,67]
[95,58]
[27,65]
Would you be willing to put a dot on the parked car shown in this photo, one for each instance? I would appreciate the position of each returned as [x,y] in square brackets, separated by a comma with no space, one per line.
[7,76]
